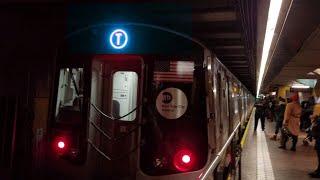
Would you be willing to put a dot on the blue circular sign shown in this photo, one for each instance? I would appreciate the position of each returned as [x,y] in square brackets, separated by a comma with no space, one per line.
[118,39]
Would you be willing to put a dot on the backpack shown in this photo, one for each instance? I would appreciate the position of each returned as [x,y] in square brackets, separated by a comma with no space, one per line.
[315,128]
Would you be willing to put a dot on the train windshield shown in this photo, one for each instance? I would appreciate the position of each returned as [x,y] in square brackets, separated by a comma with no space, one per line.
[69,95]
[175,120]
[124,95]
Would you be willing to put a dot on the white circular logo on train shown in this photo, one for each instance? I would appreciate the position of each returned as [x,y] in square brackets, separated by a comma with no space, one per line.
[172,103]
[118,39]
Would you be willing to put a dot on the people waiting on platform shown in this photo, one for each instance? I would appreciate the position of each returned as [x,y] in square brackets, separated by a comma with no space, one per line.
[260,114]
[279,115]
[305,121]
[315,119]
[291,123]
[307,124]
[271,108]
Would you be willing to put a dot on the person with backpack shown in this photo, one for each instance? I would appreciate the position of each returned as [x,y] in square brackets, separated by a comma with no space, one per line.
[279,114]
[315,130]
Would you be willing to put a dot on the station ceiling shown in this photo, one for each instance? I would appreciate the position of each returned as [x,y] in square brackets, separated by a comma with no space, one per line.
[228,27]
[298,50]
[302,65]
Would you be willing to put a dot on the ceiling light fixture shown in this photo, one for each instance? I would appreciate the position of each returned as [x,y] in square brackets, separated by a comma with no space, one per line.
[300,86]
[273,14]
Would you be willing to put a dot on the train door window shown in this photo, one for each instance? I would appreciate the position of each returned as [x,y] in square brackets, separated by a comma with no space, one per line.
[227,95]
[69,95]
[234,95]
[124,95]
[219,95]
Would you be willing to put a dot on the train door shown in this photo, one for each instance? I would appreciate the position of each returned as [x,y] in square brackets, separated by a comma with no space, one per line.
[240,104]
[115,115]
[243,117]
[69,111]
[218,116]
[222,117]
[67,125]
[219,124]
[245,106]
[224,106]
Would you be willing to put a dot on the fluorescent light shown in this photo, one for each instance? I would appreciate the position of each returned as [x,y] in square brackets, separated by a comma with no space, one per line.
[307,82]
[273,93]
[273,14]
[298,86]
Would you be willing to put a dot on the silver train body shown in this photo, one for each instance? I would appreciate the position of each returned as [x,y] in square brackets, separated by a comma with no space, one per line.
[172,112]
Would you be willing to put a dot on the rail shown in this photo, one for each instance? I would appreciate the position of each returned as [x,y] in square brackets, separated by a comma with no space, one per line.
[112,118]
[218,157]
[105,134]
[113,140]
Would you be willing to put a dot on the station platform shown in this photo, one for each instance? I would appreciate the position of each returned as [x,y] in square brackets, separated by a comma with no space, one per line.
[263,160]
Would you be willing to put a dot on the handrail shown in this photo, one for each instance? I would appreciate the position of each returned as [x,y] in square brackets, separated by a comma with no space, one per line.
[112,118]
[108,136]
[100,130]
[217,159]
[98,150]
[98,110]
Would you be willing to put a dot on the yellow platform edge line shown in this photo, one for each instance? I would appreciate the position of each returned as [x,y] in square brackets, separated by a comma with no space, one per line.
[244,137]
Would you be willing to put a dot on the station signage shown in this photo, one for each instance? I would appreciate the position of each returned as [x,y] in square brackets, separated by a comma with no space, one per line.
[172,103]
[118,39]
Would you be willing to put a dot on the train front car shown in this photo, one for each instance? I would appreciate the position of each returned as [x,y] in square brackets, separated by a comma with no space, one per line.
[129,103]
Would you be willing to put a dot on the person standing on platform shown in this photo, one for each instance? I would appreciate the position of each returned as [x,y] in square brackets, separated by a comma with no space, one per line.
[291,123]
[259,114]
[279,114]
[315,120]
[271,107]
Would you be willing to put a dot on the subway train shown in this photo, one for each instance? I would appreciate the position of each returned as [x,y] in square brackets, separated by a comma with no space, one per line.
[140,101]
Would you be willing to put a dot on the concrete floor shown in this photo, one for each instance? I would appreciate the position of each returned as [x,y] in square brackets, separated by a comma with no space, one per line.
[263,160]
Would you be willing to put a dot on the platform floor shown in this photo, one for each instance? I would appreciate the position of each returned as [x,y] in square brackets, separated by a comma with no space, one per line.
[263,160]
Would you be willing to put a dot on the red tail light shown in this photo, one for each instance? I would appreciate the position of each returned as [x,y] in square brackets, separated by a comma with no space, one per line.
[61,144]
[186,159]
[183,160]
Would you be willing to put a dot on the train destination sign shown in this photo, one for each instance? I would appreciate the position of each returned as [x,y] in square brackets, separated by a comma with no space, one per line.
[118,39]
[172,103]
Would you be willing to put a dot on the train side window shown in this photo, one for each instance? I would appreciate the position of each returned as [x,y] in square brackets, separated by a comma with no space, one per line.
[235,96]
[236,109]
[69,95]
[124,95]
[227,95]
